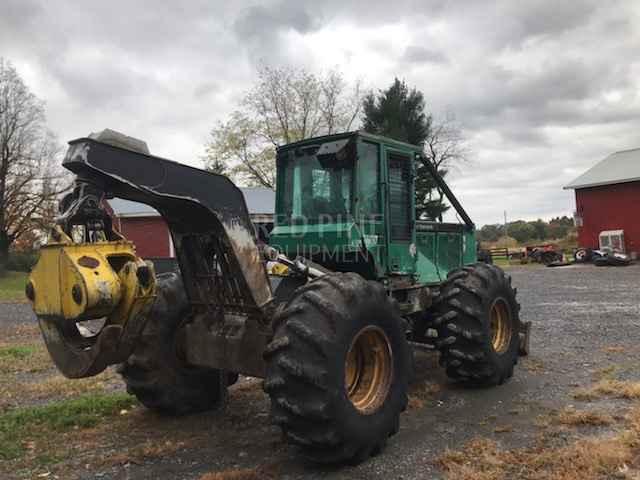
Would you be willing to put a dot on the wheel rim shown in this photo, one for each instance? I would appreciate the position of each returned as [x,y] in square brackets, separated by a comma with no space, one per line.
[500,326]
[368,369]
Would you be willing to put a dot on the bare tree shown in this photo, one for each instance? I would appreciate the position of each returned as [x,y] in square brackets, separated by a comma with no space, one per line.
[237,149]
[285,105]
[30,182]
[444,148]
[445,144]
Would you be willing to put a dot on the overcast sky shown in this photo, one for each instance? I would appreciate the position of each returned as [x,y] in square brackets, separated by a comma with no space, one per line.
[542,90]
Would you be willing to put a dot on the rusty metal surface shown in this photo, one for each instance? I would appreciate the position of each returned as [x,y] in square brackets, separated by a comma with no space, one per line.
[88,262]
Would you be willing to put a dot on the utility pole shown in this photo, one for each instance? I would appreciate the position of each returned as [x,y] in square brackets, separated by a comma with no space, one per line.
[506,234]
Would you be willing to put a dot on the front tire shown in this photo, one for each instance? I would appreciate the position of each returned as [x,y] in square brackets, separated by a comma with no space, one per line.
[155,374]
[338,369]
[478,323]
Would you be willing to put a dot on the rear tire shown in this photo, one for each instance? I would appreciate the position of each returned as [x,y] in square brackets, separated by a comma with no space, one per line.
[583,255]
[155,374]
[477,318]
[338,369]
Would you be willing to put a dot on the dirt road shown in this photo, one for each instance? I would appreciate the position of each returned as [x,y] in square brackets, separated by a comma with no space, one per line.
[586,323]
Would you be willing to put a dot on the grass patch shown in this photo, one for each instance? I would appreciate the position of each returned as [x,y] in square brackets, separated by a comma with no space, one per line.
[573,417]
[23,358]
[17,352]
[615,455]
[58,385]
[12,287]
[21,428]
[609,387]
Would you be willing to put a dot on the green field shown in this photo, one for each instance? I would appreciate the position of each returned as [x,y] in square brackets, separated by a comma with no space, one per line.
[12,287]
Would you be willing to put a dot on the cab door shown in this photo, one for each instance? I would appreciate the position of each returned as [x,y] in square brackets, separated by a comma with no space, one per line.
[400,212]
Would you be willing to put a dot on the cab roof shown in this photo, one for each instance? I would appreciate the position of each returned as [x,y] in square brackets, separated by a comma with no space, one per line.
[360,133]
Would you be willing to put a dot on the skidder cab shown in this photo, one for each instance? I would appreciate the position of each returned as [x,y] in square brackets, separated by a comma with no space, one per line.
[326,314]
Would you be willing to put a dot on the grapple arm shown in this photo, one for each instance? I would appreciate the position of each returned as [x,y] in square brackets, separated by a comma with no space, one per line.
[101,282]
[89,272]
[206,213]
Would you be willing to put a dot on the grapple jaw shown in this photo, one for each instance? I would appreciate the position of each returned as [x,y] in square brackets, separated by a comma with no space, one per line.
[91,301]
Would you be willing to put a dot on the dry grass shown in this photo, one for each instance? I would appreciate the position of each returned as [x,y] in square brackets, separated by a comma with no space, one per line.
[604,372]
[613,349]
[422,393]
[573,417]
[614,455]
[20,334]
[533,365]
[609,387]
[138,454]
[57,385]
[415,402]
[262,472]
[503,429]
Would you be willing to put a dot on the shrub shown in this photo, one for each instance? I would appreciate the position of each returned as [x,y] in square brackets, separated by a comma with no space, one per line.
[21,261]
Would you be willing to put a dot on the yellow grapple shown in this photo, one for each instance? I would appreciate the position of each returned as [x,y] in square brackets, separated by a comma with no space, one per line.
[104,282]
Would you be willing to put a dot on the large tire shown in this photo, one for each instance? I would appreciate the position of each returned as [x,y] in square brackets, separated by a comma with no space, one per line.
[155,374]
[318,407]
[478,323]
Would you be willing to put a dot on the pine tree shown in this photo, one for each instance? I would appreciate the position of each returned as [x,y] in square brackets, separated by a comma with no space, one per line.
[399,112]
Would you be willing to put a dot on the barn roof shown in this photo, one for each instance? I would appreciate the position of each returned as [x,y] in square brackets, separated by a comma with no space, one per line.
[260,201]
[619,167]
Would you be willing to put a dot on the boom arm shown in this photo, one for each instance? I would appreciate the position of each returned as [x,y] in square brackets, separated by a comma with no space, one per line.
[442,185]
[207,215]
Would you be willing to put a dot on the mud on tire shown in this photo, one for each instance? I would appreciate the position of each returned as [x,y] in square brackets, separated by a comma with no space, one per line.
[307,372]
[477,318]
[155,374]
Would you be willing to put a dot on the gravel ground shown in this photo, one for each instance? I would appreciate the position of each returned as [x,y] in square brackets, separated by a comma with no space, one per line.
[15,317]
[578,314]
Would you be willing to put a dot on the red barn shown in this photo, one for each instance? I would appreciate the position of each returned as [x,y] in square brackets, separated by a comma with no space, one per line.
[147,230]
[608,199]
[142,225]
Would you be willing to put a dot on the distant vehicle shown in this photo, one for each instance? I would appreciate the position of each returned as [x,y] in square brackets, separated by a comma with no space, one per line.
[545,254]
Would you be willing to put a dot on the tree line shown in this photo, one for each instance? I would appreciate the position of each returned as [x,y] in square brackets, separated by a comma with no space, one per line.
[523,231]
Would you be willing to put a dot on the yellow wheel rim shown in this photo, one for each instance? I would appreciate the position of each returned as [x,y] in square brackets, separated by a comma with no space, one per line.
[368,369]
[500,326]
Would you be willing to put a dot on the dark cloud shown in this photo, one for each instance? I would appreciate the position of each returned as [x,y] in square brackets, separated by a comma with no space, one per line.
[259,20]
[416,54]
[260,26]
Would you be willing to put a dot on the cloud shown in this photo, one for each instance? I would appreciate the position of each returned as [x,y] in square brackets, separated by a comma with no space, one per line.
[542,89]
[416,54]
[261,27]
